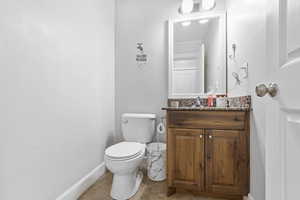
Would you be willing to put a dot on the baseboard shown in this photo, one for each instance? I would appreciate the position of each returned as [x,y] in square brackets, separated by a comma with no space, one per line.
[250,197]
[74,192]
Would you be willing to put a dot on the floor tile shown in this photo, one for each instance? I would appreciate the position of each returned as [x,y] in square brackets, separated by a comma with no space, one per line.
[149,190]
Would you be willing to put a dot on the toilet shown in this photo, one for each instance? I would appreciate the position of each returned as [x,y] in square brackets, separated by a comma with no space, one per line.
[123,159]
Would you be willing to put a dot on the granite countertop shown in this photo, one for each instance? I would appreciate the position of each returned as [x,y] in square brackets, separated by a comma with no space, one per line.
[206,109]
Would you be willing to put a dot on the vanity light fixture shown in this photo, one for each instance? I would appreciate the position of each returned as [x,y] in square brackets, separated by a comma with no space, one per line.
[186,23]
[187,6]
[208,4]
[203,21]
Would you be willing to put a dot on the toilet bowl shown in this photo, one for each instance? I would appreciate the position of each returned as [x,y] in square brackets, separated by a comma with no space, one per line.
[126,175]
[123,159]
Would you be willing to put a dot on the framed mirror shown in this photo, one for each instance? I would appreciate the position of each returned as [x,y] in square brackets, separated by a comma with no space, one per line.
[197,55]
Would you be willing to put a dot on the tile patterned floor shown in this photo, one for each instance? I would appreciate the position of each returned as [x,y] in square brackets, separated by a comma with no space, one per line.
[148,191]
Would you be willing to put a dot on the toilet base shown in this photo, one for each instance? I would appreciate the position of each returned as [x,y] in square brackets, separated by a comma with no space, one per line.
[126,186]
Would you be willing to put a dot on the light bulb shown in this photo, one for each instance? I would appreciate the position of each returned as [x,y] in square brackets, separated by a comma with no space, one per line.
[203,21]
[186,23]
[208,4]
[187,6]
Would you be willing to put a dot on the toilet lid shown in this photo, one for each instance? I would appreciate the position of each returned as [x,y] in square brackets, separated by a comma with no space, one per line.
[125,150]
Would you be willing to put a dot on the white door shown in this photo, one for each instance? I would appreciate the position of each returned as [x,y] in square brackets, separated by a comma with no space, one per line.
[283,110]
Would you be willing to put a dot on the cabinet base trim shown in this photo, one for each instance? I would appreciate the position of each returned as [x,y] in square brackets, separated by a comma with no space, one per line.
[173,190]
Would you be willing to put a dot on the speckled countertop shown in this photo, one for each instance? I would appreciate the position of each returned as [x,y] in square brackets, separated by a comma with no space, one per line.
[206,109]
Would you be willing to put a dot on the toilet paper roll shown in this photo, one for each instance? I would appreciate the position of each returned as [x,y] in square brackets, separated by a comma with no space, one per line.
[161,128]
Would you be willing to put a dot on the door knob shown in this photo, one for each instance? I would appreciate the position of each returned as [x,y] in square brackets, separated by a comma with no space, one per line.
[273,89]
[262,90]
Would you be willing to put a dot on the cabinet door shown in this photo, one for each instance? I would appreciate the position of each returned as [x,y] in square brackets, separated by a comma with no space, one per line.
[186,158]
[226,162]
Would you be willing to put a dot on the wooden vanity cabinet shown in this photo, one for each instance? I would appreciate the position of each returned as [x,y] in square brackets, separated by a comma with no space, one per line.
[208,153]
[186,158]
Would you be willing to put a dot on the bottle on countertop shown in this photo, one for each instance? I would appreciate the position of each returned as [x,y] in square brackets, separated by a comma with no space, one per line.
[221,101]
[210,101]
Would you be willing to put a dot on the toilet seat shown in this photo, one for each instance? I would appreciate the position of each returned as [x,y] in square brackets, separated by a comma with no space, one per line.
[125,150]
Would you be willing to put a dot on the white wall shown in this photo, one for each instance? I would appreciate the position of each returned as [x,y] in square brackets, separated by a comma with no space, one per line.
[247,29]
[57,93]
[143,89]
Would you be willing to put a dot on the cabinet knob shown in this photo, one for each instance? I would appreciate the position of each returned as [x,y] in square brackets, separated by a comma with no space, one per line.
[210,137]
[201,136]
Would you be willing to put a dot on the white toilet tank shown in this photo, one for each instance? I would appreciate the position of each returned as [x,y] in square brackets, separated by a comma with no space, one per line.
[138,127]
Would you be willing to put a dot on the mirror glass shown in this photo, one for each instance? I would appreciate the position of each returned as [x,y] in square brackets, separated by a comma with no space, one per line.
[198,56]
